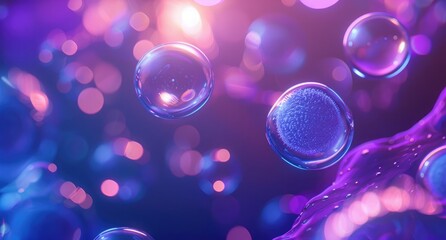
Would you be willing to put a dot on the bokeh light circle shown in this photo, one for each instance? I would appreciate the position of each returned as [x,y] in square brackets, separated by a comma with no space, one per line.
[319,4]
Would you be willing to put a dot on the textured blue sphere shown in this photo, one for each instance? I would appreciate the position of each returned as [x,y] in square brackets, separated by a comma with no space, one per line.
[432,172]
[174,80]
[309,126]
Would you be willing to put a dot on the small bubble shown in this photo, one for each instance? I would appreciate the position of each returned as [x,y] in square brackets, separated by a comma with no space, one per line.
[348,195]
[365,151]
[364,43]
[378,173]
[429,136]
[325,197]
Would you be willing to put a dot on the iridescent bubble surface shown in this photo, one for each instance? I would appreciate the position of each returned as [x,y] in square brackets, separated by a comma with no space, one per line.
[377,45]
[174,80]
[432,172]
[309,126]
[373,166]
[123,233]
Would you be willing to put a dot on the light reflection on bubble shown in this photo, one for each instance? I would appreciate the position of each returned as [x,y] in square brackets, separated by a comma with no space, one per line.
[279,43]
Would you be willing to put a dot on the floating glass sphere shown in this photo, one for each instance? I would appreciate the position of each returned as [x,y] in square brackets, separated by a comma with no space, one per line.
[377,45]
[309,126]
[174,80]
[432,172]
[123,233]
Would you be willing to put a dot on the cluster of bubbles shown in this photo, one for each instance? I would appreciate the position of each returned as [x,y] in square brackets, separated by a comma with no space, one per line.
[309,126]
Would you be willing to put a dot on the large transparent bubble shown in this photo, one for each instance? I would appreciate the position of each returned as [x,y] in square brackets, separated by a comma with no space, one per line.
[174,80]
[377,45]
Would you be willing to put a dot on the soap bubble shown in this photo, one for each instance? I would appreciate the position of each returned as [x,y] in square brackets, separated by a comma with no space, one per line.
[123,233]
[377,45]
[174,80]
[432,172]
[309,126]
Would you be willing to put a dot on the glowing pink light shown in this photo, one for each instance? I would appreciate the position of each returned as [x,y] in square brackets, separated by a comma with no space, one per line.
[139,21]
[421,44]
[66,189]
[107,78]
[222,155]
[186,136]
[69,47]
[74,5]
[84,75]
[238,233]
[90,101]
[133,150]
[78,196]
[87,203]
[371,204]
[191,163]
[99,17]
[40,101]
[218,186]
[208,3]
[45,56]
[319,4]
[109,188]
[52,167]
[141,48]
